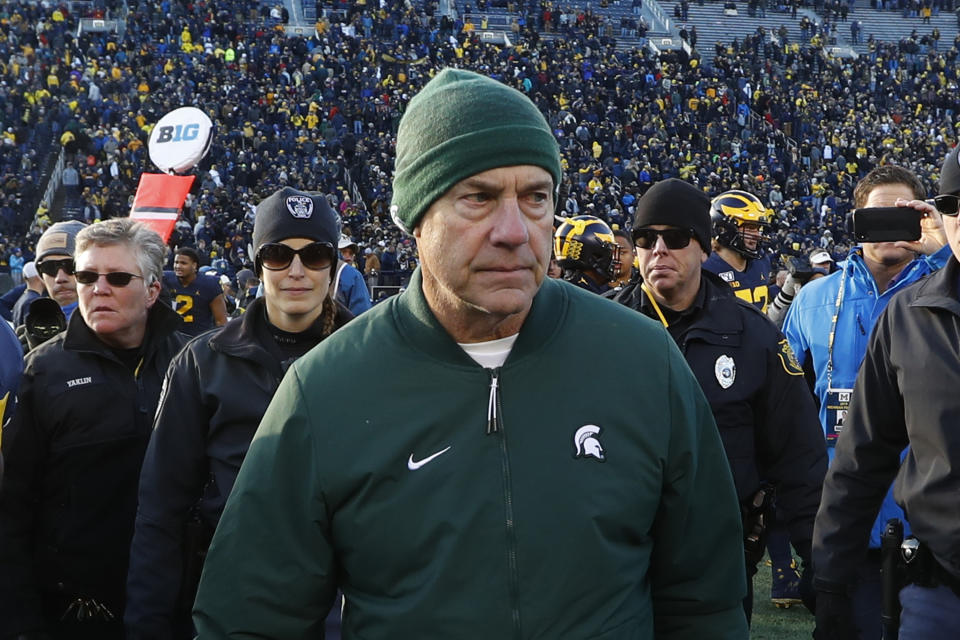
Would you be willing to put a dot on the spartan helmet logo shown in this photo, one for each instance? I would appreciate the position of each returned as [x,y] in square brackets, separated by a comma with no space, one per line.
[300,206]
[586,443]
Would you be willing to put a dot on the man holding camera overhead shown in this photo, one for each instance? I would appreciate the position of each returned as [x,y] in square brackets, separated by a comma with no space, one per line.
[905,394]
[829,324]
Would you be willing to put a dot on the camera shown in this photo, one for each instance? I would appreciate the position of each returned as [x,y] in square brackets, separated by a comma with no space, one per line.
[886,224]
[44,320]
[800,269]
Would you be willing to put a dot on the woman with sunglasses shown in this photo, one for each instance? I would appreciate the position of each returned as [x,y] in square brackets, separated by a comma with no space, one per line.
[217,389]
[74,447]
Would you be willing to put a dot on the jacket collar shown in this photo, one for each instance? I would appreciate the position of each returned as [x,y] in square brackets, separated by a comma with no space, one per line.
[719,314]
[239,335]
[939,289]
[162,321]
[420,326]
[858,266]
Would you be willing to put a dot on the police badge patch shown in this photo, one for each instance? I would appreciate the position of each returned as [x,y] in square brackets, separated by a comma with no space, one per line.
[300,206]
[788,360]
[726,371]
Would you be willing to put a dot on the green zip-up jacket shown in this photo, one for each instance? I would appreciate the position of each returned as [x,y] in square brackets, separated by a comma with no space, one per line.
[580,491]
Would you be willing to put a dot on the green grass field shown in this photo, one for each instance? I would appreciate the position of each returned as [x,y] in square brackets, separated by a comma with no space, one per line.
[770,623]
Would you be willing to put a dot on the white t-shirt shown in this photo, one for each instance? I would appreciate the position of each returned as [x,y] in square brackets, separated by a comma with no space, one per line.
[490,354]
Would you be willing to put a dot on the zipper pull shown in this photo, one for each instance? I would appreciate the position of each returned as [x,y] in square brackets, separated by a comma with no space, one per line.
[492,418]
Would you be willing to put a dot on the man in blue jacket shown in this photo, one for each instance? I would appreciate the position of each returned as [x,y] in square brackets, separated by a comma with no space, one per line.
[905,394]
[829,323]
[349,287]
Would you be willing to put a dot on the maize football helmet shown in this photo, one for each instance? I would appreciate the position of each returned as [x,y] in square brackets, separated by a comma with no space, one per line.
[586,243]
[729,212]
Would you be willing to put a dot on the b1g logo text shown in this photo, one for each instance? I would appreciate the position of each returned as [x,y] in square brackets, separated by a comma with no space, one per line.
[178,133]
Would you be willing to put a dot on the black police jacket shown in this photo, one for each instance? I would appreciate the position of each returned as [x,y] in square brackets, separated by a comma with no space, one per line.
[217,390]
[73,453]
[762,406]
[905,394]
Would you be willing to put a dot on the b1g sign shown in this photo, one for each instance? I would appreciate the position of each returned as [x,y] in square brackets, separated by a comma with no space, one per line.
[180,140]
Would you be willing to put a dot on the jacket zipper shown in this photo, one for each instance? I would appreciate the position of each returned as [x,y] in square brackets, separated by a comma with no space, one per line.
[493,402]
[494,425]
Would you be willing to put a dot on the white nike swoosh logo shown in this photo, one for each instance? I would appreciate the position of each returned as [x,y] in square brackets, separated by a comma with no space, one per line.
[414,465]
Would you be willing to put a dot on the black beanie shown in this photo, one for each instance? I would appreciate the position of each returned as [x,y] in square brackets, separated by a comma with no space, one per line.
[678,204]
[950,175]
[289,213]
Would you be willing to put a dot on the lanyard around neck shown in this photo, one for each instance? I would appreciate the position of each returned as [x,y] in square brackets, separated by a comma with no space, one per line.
[653,303]
[833,324]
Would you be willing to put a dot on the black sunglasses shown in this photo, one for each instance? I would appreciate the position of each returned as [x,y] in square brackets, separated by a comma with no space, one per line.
[114,278]
[276,256]
[51,267]
[673,238]
[947,204]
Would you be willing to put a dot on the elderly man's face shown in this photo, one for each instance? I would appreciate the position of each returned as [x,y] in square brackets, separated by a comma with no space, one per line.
[485,246]
[118,315]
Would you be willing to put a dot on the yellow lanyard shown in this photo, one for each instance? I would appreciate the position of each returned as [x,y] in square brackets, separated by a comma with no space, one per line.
[653,303]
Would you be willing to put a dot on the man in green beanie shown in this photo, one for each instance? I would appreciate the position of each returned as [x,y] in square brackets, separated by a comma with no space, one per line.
[477,496]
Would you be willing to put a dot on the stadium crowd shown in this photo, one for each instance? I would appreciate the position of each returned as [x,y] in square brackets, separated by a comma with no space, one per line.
[320,120]
[777,118]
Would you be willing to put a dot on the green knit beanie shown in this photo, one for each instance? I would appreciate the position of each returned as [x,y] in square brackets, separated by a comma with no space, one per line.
[461,124]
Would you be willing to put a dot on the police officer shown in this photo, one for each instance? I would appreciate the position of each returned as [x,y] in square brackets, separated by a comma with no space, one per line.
[217,389]
[905,394]
[762,406]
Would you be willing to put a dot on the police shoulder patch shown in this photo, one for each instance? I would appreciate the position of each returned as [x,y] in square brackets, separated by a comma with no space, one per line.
[788,360]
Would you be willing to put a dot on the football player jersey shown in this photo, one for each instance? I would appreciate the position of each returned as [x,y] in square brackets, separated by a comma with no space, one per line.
[752,284]
[192,301]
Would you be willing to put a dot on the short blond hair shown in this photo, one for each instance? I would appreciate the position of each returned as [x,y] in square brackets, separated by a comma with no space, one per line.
[145,244]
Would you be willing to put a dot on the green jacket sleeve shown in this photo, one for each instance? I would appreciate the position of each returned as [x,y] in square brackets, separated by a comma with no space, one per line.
[273,537]
[698,575]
